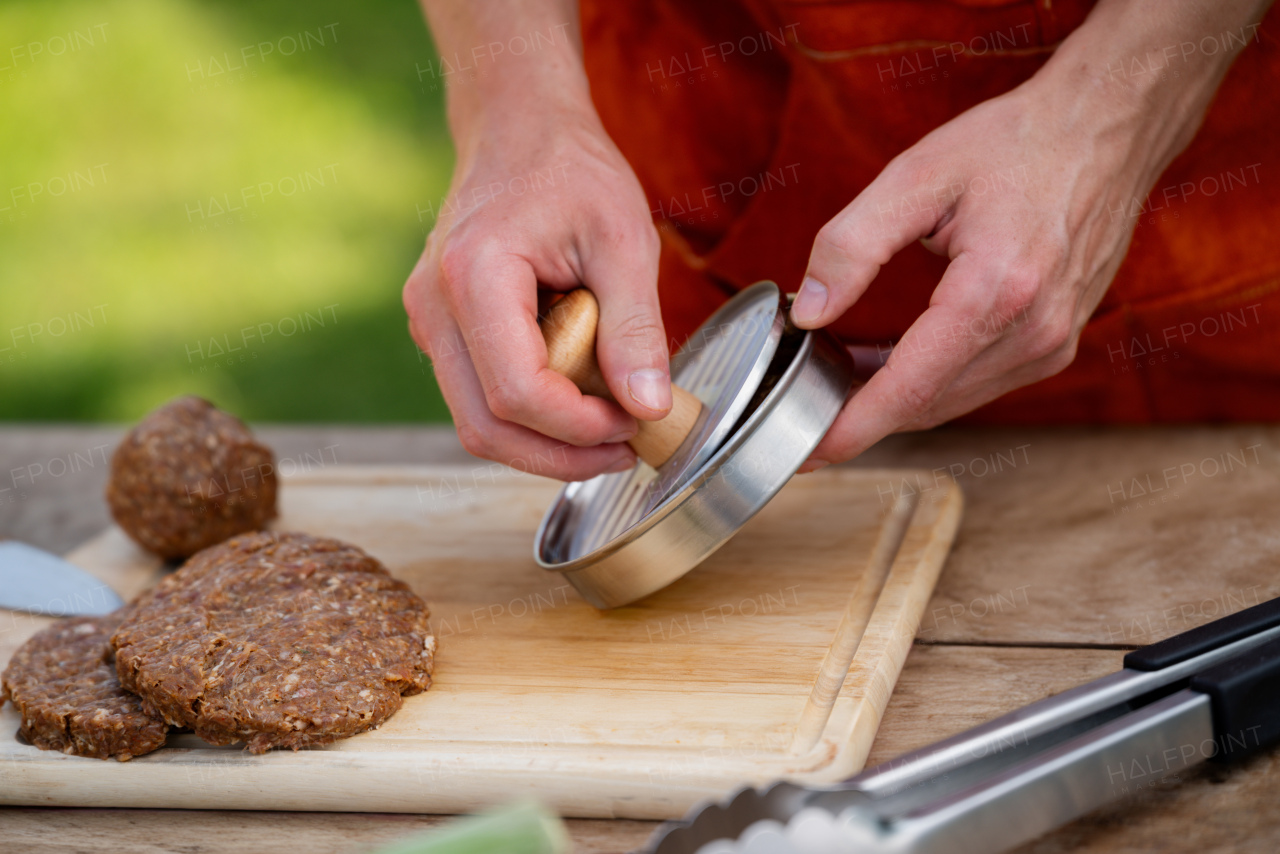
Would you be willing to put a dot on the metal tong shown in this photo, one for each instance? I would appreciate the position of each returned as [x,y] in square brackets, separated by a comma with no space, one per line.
[1212,693]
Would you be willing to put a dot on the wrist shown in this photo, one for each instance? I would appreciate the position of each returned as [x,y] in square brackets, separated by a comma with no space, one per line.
[510,97]
[1146,80]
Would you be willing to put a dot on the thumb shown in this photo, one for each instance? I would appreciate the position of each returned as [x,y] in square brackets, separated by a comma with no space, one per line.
[631,345]
[894,210]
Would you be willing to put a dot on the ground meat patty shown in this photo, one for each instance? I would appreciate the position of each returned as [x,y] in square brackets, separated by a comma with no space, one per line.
[280,640]
[64,684]
[189,476]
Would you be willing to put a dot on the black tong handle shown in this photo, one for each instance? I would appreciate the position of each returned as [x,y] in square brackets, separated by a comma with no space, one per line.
[1204,638]
[1244,691]
[1245,699]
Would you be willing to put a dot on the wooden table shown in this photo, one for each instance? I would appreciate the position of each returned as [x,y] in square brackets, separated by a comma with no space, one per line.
[1076,546]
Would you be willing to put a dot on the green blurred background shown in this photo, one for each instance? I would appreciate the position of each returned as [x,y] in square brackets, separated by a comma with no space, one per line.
[220,197]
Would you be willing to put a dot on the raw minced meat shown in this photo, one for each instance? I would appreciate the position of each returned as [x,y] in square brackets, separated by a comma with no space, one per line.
[279,640]
[188,477]
[63,683]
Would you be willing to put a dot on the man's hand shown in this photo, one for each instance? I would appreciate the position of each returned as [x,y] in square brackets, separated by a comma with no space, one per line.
[540,195]
[1028,194]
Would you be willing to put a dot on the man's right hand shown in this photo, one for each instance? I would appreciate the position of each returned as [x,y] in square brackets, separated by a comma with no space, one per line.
[540,196]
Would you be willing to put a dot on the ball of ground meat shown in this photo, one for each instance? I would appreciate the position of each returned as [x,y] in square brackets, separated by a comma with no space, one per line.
[188,477]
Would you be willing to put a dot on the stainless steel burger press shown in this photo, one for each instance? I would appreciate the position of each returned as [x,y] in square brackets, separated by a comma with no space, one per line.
[753,397]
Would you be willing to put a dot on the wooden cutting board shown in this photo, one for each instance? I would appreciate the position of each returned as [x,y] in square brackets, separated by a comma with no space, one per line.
[775,658]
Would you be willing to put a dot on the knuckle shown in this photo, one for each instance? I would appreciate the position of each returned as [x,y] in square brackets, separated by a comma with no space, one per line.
[1049,337]
[455,262]
[913,171]
[624,226]
[411,300]
[830,239]
[871,234]
[1061,358]
[458,255]
[639,330]
[475,441]
[507,401]
[645,237]
[913,402]
[1018,290]
[416,288]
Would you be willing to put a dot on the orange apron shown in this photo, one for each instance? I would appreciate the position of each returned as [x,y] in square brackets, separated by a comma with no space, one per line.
[750,123]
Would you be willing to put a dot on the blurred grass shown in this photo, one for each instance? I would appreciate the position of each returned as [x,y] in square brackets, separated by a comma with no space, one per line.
[128,131]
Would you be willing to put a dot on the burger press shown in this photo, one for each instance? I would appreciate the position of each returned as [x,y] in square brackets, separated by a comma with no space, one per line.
[752,397]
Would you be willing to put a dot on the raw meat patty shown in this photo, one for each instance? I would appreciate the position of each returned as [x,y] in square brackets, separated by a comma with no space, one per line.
[280,640]
[64,684]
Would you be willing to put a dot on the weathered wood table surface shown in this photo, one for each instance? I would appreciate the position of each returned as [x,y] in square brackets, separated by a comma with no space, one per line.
[1076,545]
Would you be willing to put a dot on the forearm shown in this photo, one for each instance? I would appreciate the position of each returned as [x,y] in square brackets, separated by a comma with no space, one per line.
[521,56]
[1150,68]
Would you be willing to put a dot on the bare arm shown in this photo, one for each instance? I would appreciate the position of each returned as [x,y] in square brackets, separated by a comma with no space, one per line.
[479,35]
[540,195]
[1082,141]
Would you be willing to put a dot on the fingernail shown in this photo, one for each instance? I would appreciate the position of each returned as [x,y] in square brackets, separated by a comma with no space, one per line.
[812,465]
[621,465]
[650,388]
[810,302]
[621,437]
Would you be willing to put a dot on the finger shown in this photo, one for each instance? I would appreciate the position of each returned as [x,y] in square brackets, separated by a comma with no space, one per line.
[484,435]
[895,209]
[493,297]
[1025,354]
[631,345]
[416,298]
[1038,342]
[968,392]
[932,353]
[522,449]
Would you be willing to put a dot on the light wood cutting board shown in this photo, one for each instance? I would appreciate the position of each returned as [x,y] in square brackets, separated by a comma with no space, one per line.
[775,658]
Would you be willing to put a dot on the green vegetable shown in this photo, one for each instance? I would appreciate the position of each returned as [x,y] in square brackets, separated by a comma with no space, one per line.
[524,828]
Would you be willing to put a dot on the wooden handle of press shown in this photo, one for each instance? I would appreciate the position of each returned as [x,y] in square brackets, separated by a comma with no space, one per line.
[569,330]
